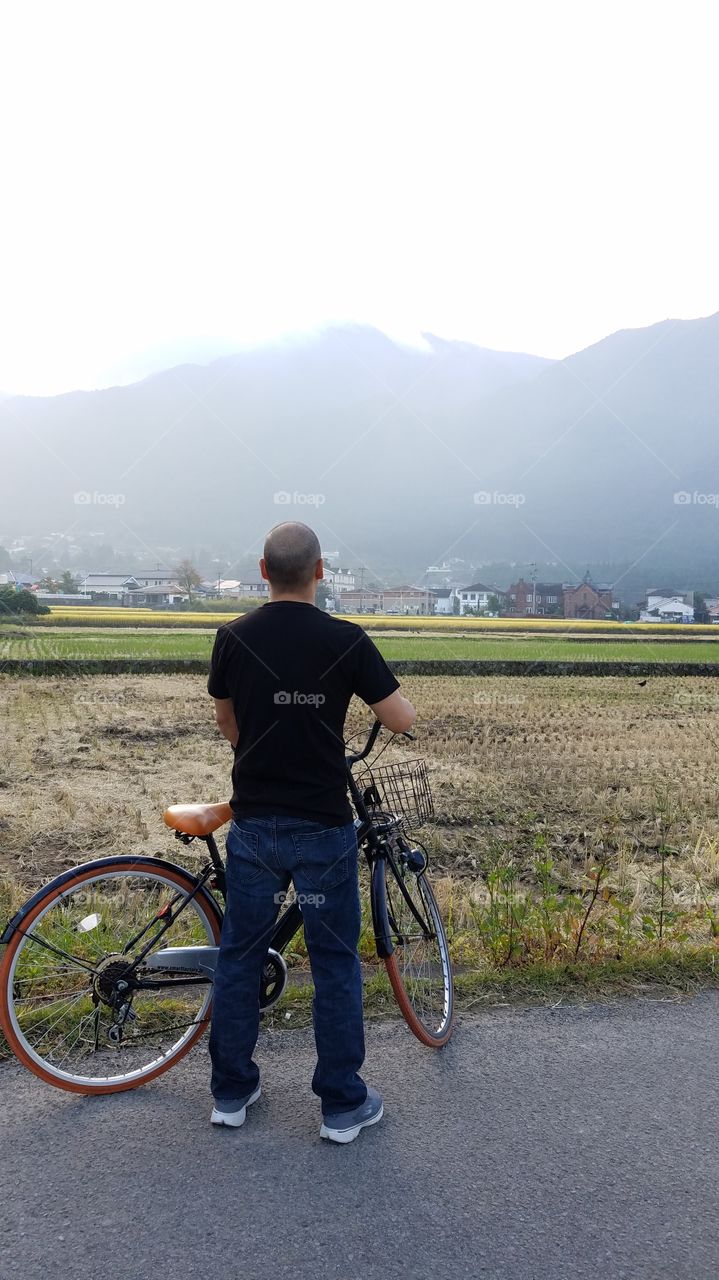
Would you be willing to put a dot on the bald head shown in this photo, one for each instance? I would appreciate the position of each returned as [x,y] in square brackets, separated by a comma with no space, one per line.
[291,553]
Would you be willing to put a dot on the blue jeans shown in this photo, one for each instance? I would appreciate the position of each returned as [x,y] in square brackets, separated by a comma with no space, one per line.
[263,855]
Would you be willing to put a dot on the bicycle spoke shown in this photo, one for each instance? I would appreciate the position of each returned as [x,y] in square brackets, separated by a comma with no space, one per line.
[63,1014]
[42,942]
[420,959]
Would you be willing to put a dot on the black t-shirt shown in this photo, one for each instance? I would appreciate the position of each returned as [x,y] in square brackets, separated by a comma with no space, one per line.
[290,670]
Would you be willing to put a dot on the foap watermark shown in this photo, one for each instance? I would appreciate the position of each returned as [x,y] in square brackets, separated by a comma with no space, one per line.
[686,698]
[83,498]
[285,499]
[683,498]
[498,699]
[295,698]
[302,899]
[494,498]
[100,699]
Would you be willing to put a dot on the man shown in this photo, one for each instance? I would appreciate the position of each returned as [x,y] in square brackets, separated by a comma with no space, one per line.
[282,678]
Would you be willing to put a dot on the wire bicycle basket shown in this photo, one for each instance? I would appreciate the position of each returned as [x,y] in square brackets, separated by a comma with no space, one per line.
[400,790]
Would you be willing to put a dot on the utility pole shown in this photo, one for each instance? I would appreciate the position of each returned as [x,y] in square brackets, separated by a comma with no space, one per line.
[533,571]
[362,569]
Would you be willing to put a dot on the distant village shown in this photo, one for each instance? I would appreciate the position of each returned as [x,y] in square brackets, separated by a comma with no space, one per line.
[440,592]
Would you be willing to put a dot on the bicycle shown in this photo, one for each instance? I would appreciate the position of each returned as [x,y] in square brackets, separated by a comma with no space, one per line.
[129,1006]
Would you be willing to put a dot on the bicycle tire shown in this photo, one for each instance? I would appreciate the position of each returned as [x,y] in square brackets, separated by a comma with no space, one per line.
[425,998]
[162,873]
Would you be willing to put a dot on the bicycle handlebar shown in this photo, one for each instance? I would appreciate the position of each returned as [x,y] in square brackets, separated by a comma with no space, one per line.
[372,738]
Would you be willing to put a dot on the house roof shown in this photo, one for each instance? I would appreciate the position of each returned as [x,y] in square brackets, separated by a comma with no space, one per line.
[442,593]
[538,586]
[593,586]
[141,575]
[18,579]
[108,580]
[479,586]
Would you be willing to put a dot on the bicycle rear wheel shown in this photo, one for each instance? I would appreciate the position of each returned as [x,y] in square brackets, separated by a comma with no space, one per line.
[74,1008]
[419,967]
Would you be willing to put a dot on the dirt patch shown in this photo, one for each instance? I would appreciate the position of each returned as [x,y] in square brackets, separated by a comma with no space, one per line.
[567,766]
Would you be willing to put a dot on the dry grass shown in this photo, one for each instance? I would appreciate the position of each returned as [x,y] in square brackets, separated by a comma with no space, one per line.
[90,764]
[568,771]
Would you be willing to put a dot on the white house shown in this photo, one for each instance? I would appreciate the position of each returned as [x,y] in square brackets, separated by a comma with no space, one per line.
[169,593]
[477,596]
[156,577]
[240,588]
[339,579]
[116,585]
[157,586]
[669,608]
[445,598]
[253,584]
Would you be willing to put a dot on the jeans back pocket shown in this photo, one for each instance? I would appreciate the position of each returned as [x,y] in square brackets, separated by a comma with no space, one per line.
[323,856]
[243,854]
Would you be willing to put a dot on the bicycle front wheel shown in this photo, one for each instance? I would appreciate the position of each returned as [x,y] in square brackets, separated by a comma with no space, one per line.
[75,1007]
[419,967]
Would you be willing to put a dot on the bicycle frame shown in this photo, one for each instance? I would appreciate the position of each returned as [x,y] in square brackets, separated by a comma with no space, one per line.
[200,961]
[371,837]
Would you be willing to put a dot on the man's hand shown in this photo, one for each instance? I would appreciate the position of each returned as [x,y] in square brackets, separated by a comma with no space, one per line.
[225,718]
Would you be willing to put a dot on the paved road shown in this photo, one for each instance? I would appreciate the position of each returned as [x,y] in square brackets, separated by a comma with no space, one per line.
[557,1144]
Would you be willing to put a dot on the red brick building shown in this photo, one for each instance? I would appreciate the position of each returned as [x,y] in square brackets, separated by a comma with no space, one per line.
[585,600]
[534,600]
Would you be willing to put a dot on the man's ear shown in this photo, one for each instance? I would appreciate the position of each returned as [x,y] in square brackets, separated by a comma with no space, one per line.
[319,569]
[263,570]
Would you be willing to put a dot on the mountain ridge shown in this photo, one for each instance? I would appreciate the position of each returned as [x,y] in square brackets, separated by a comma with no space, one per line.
[382,445]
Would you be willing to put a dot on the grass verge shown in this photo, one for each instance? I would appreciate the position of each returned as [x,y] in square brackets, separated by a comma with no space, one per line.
[662,973]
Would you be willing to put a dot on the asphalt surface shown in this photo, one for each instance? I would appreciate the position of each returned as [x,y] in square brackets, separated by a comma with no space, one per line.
[572,1142]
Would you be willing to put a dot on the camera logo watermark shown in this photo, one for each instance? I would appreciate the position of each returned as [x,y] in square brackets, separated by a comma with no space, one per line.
[302,899]
[498,699]
[83,498]
[685,499]
[284,499]
[297,699]
[493,498]
[686,698]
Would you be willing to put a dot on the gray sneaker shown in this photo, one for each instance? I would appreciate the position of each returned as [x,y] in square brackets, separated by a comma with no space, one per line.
[234,1113]
[346,1126]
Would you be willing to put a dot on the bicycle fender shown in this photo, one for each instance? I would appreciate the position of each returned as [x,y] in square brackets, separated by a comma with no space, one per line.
[137,860]
[378,902]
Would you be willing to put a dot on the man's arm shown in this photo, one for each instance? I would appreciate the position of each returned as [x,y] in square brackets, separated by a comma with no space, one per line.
[396,712]
[373,676]
[226,722]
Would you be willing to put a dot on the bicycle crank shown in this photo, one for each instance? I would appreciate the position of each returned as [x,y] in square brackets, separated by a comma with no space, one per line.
[204,960]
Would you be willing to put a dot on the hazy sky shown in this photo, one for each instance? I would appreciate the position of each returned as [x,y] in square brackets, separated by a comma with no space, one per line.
[182,178]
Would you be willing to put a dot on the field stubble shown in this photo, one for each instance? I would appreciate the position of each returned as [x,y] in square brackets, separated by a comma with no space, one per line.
[576,819]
